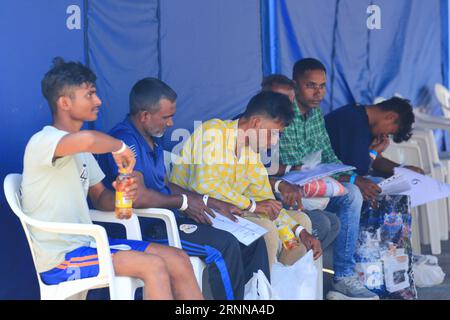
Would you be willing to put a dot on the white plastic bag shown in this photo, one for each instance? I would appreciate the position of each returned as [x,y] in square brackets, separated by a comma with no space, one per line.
[258,287]
[295,282]
[427,272]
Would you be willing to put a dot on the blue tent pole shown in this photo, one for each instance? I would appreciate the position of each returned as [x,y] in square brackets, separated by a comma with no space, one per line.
[269,37]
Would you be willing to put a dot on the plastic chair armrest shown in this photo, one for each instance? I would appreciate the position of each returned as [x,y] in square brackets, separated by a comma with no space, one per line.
[168,217]
[132,227]
[97,232]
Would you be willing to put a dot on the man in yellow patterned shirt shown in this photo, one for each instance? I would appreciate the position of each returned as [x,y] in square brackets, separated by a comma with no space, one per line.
[221,159]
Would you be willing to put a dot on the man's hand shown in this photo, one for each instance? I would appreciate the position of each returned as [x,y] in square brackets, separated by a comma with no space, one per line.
[197,210]
[415,169]
[270,207]
[291,194]
[311,243]
[369,190]
[125,160]
[226,209]
[131,189]
[380,143]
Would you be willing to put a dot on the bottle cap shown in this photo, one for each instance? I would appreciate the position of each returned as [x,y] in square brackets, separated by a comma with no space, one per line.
[123,171]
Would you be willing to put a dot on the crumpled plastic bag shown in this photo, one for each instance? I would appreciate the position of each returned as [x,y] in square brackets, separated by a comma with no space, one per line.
[427,272]
[258,287]
[295,282]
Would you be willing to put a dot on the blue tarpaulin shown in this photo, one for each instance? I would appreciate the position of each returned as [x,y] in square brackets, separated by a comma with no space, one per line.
[214,54]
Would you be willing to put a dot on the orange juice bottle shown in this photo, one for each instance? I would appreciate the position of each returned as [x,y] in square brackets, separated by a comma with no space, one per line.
[287,237]
[285,225]
[123,208]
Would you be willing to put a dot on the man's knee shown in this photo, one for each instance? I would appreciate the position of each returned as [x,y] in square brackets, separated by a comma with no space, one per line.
[354,195]
[302,219]
[321,224]
[151,266]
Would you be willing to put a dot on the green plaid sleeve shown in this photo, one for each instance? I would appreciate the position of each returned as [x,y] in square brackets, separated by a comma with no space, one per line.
[290,153]
[328,155]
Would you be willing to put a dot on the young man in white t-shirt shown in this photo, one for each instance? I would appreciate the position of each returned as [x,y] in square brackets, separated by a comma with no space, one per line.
[60,172]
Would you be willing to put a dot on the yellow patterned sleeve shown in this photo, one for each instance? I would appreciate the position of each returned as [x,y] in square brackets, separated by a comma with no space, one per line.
[206,167]
[212,180]
[259,188]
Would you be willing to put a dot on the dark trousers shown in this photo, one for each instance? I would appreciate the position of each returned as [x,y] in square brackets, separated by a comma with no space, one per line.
[240,260]
[325,226]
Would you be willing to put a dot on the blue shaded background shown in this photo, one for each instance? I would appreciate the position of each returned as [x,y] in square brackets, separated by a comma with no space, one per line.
[214,54]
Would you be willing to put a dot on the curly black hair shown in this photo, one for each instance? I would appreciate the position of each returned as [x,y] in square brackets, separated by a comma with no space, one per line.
[405,116]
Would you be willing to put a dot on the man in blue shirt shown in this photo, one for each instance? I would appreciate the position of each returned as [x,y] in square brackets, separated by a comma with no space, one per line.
[152,107]
[359,134]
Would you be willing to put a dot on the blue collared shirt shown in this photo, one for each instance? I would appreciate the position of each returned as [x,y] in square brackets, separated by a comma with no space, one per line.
[150,162]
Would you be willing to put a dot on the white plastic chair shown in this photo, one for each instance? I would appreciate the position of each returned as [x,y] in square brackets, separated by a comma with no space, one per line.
[409,152]
[434,168]
[443,96]
[198,265]
[425,121]
[120,288]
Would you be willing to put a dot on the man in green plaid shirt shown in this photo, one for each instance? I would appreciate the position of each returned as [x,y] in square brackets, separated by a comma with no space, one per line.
[307,134]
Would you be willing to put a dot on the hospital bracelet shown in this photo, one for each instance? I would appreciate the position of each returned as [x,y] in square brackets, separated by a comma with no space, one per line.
[185,205]
[277,185]
[122,149]
[205,199]
[298,230]
[352,179]
[252,206]
[373,154]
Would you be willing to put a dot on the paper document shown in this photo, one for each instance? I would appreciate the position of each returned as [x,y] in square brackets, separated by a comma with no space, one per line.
[244,230]
[394,185]
[423,188]
[301,177]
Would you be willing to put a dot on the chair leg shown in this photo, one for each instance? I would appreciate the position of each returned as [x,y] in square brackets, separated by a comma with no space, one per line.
[443,218]
[433,227]
[319,265]
[415,233]
[198,265]
[122,288]
[423,218]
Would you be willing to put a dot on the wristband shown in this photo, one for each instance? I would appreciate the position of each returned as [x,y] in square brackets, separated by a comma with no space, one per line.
[122,149]
[253,206]
[205,199]
[373,154]
[277,185]
[298,230]
[288,168]
[184,206]
[352,179]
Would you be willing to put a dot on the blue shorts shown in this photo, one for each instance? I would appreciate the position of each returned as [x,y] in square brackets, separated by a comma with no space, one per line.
[83,262]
